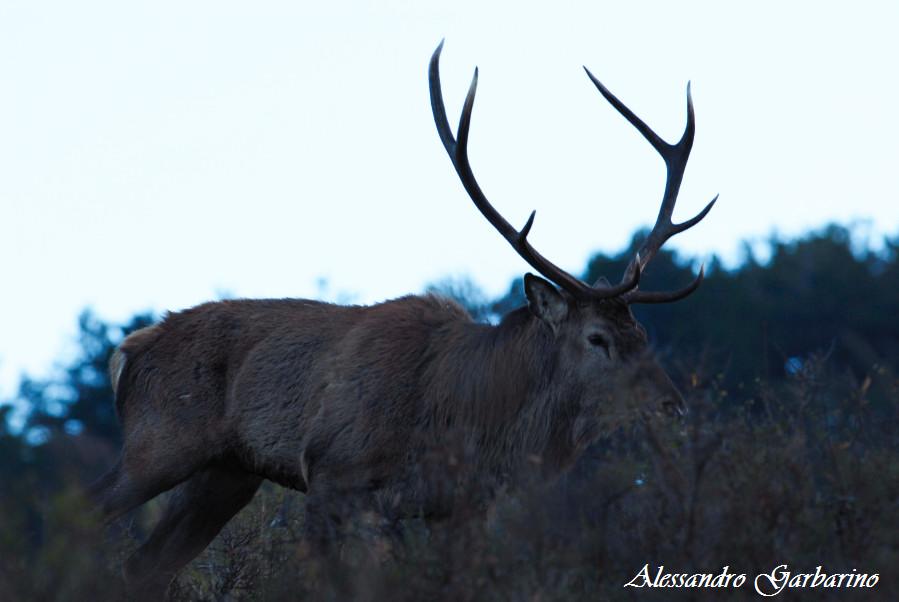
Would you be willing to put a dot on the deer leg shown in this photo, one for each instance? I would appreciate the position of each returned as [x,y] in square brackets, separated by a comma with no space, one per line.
[328,512]
[196,512]
[159,452]
[136,478]
[338,487]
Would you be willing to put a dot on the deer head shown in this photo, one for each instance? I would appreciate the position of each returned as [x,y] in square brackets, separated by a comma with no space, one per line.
[594,329]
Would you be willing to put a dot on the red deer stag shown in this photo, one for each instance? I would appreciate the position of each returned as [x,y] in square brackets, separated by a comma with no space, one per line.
[344,402]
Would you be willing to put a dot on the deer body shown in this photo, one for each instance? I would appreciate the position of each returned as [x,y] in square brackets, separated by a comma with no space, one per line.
[301,392]
[373,406]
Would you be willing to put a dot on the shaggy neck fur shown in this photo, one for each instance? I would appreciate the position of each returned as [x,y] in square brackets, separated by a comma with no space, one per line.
[495,384]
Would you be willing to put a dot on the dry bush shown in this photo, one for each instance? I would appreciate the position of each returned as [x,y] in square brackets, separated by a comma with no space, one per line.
[804,473]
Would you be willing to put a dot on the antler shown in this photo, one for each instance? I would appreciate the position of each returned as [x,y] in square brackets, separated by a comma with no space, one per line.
[457,148]
[675,156]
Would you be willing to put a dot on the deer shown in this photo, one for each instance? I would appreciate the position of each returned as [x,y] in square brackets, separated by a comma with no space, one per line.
[343,403]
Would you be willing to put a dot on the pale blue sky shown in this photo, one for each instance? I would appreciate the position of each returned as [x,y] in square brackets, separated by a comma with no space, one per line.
[153,154]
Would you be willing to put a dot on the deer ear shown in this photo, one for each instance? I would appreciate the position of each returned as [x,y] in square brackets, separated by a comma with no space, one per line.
[545,301]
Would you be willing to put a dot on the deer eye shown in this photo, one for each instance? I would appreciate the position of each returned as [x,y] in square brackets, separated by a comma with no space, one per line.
[598,340]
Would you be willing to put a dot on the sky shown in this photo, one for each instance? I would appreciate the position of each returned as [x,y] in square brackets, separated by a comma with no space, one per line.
[158,155]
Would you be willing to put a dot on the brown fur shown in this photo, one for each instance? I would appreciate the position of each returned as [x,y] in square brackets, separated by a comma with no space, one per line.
[404,405]
[355,403]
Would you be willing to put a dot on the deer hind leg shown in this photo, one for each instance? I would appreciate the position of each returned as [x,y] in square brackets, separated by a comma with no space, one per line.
[196,512]
[142,472]
[122,488]
[162,448]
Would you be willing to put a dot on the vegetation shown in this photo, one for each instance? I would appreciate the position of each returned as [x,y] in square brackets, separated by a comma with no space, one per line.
[788,455]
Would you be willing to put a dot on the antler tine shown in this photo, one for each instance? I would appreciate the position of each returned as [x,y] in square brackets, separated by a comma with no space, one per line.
[638,296]
[457,149]
[675,156]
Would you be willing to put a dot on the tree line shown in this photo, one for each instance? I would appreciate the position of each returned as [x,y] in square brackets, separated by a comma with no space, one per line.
[813,323]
